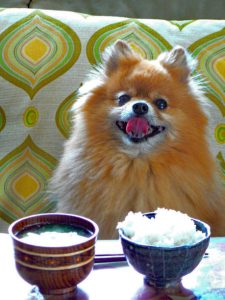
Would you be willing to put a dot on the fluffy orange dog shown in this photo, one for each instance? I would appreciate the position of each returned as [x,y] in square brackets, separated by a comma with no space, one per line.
[139,143]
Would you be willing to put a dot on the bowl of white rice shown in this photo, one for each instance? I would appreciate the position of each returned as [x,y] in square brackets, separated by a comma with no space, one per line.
[164,245]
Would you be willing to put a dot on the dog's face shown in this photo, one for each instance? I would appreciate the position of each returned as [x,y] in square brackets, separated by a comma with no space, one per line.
[140,105]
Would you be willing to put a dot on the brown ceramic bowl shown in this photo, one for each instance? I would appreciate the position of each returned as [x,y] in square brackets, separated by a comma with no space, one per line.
[54,269]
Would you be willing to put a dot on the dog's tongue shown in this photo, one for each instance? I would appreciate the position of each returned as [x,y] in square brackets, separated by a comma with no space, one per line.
[137,127]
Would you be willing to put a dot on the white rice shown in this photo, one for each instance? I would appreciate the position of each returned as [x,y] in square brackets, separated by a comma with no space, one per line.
[53,239]
[169,228]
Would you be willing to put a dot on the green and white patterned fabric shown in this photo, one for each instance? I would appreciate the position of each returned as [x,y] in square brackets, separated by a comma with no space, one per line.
[44,58]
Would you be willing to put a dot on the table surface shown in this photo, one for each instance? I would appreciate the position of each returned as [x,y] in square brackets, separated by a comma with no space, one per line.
[118,281]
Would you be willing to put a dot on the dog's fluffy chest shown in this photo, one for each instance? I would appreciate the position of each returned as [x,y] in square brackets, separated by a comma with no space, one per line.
[122,182]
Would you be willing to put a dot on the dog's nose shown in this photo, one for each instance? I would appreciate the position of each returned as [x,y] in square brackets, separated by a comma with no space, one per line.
[140,108]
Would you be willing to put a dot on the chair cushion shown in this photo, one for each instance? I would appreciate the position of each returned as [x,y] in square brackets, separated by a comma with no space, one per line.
[44,58]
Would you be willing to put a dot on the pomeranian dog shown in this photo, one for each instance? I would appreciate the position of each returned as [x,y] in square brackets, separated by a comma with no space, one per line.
[139,142]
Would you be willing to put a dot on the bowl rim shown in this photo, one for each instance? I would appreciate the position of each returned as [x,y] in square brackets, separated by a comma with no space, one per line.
[93,235]
[167,248]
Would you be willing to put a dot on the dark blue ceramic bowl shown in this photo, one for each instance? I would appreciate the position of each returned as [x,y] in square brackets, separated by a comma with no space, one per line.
[164,266]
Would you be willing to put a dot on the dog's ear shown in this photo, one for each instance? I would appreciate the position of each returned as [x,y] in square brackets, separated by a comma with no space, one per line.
[179,62]
[116,53]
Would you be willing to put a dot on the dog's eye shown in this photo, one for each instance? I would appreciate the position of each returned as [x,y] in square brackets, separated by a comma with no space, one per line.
[124,98]
[160,103]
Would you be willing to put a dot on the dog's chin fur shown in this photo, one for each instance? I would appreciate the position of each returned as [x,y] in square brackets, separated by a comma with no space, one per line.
[104,174]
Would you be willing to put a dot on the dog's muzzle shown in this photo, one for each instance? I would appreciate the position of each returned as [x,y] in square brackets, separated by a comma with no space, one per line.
[137,128]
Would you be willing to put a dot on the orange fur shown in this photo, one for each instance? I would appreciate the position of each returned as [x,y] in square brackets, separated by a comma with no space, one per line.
[103,175]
